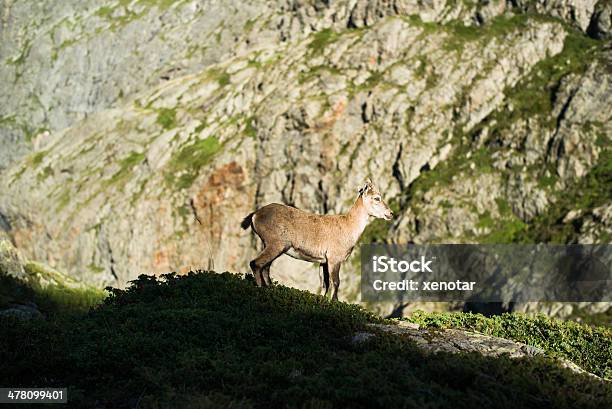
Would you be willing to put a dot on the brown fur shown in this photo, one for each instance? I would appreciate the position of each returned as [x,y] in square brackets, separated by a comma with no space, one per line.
[326,239]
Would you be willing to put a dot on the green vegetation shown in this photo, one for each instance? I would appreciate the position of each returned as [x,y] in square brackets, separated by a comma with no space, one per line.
[591,191]
[532,98]
[250,23]
[36,159]
[125,167]
[200,127]
[534,95]
[590,348]
[25,51]
[224,79]
[500,26]
[315,72]
[321,39]
[184,167]
[105,12]
[219,75]
[166,117]
[216,340]
[249,128]
[59,295]
[161,4]
[46,172]
[507,228]
[457,165]
[599,319]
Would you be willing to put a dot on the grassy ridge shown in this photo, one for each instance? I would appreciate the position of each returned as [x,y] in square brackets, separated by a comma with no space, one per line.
[54,298]
[215,340]
[590,348]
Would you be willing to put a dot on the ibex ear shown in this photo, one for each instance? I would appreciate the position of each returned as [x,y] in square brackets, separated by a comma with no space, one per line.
[363,189]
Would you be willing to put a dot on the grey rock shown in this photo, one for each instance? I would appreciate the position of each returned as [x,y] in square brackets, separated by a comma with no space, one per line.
[11,260]
[361,337]
[577,12]
[22,311]
[601,21]
[458,341]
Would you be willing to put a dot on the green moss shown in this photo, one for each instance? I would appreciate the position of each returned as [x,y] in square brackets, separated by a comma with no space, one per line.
[588,347]
[166,117]
[254,63]
[503,206]
[161,4]
[315,72]
[25,51]
[46,172]
[504,231]
[322,39]
[200,127]
[459,34]
[249,128]
[184,167]
[219,75]
[8,120]
[506,228]
[17,175]
[374,79]
[95,268]
[105,12]
[37,158]
[427,27]
[224,79]
[63,199]
[120,20]
[421,69]
[125,168]
[248,26]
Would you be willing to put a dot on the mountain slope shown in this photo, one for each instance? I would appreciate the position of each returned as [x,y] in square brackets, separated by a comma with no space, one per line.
[473,120]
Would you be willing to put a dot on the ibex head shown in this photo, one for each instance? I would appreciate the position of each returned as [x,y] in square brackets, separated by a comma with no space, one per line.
[373,201]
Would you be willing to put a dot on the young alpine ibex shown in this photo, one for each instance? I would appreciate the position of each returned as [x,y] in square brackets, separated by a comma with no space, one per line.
[325,239]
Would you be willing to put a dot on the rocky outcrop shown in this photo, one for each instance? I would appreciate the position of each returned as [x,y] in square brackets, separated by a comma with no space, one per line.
[460,341]
[12,261]
[601,21]
[472,121]
[25,311]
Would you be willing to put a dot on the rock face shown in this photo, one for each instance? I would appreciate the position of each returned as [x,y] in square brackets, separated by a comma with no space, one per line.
[459,341]
[153,128]
[601,21]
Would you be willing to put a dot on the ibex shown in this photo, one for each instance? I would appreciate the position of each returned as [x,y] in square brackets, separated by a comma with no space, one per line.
[325,239]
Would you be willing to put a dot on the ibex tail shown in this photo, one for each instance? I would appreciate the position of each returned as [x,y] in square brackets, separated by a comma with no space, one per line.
[246,223]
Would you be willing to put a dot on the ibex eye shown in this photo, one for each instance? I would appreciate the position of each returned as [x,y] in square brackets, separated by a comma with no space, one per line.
[377,199]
